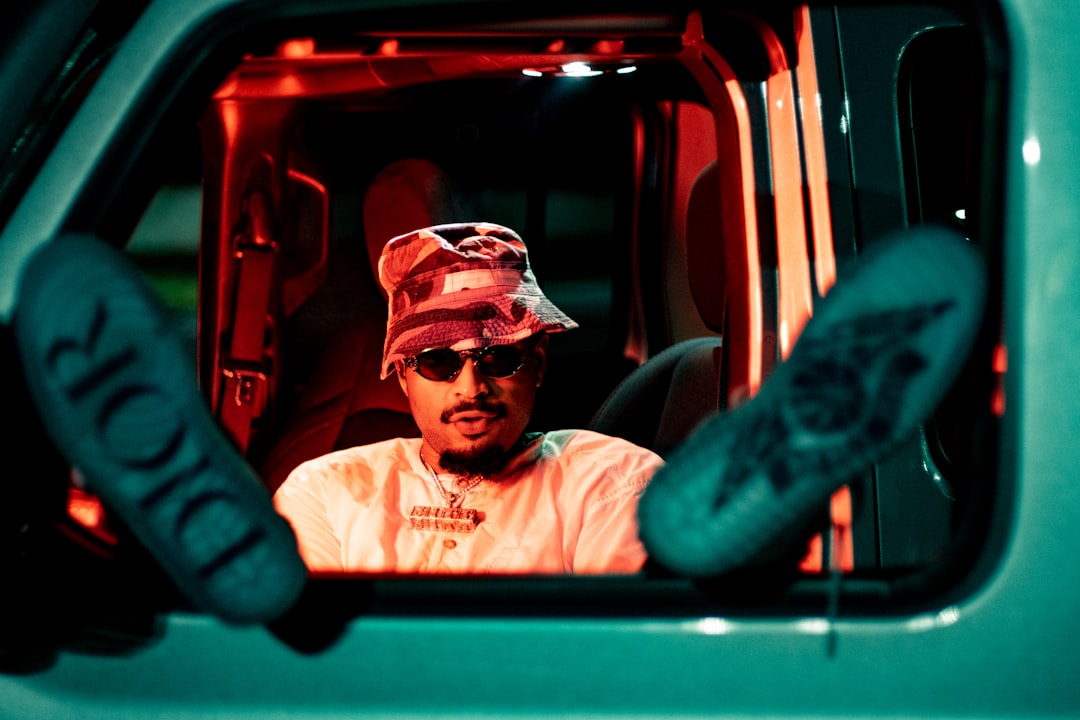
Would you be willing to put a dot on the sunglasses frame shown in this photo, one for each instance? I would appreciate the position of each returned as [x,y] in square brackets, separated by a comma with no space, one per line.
[475,354]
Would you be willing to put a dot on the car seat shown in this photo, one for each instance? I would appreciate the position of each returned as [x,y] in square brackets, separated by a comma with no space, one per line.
[660,403]
[344,403]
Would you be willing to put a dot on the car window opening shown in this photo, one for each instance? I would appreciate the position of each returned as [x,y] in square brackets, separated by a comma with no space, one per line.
[701,203]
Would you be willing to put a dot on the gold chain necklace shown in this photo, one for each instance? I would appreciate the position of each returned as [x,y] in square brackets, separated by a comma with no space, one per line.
[454,499]
[453,517]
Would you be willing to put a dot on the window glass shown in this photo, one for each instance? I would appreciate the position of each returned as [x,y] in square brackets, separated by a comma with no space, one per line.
[165,245]
[943,130]
[940,101]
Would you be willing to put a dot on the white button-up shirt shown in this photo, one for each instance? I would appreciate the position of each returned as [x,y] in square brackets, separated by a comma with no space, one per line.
[566,504]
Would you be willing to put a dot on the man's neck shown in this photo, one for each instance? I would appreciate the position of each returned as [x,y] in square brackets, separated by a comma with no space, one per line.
[467,467]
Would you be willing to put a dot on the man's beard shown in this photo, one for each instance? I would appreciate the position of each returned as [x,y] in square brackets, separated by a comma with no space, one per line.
[485,462]
[476,462]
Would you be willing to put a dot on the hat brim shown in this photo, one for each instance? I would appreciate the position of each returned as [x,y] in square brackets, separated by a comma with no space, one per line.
[492,319]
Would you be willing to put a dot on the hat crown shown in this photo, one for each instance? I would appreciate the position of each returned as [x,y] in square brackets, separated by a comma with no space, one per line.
[449,248]
[461,285]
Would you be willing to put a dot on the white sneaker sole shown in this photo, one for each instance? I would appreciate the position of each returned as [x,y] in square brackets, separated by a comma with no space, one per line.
[118,395]
[871,365]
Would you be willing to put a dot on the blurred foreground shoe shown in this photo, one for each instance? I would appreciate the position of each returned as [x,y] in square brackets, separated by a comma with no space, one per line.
[117,393]
[879,354]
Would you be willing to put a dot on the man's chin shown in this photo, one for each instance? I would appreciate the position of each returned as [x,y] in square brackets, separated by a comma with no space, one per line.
[485,460]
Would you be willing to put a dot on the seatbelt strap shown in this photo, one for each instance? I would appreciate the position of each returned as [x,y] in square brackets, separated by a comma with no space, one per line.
[245,368]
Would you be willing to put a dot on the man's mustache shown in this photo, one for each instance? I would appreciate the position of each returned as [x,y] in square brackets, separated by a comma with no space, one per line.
[496,409]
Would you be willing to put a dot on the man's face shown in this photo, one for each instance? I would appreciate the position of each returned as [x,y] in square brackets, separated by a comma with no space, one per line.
[471,422]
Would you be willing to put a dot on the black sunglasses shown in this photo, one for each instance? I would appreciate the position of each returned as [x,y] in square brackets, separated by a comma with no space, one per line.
[444,364]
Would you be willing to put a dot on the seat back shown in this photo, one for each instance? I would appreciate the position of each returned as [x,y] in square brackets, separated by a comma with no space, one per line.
[660,403]
[345,403]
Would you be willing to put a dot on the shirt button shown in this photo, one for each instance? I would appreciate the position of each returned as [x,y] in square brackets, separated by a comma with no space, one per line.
[449,544]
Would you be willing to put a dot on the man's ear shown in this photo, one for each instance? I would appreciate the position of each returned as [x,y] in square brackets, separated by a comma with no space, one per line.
[540,357]
[399,370]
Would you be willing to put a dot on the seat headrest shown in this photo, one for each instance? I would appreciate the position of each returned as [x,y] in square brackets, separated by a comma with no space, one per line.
[406,195]
[705,247]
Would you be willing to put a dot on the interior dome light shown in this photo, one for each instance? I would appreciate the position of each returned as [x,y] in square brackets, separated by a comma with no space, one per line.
[579,69]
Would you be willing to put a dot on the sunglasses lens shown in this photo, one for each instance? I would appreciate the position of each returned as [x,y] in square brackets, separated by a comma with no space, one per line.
[444,364]
[500,361]
[441,364]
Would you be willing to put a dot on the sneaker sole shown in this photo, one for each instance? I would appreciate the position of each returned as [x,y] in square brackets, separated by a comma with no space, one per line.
[118,396]
[870,366]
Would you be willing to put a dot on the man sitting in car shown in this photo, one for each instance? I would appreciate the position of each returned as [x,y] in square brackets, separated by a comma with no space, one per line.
[467,334]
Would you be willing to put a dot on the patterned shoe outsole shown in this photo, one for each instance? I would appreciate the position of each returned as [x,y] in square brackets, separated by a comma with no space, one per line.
[118,395]
[879,354]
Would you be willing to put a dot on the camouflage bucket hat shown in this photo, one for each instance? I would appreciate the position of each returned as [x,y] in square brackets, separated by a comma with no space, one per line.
[461,286]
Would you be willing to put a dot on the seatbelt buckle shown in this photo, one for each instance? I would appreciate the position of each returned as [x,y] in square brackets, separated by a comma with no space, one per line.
[246,386]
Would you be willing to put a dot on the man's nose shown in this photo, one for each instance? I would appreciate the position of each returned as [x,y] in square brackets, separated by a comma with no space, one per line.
[470,382]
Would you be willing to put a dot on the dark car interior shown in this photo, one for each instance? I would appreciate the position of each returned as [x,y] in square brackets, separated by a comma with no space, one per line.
[674,204]
[678,196]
